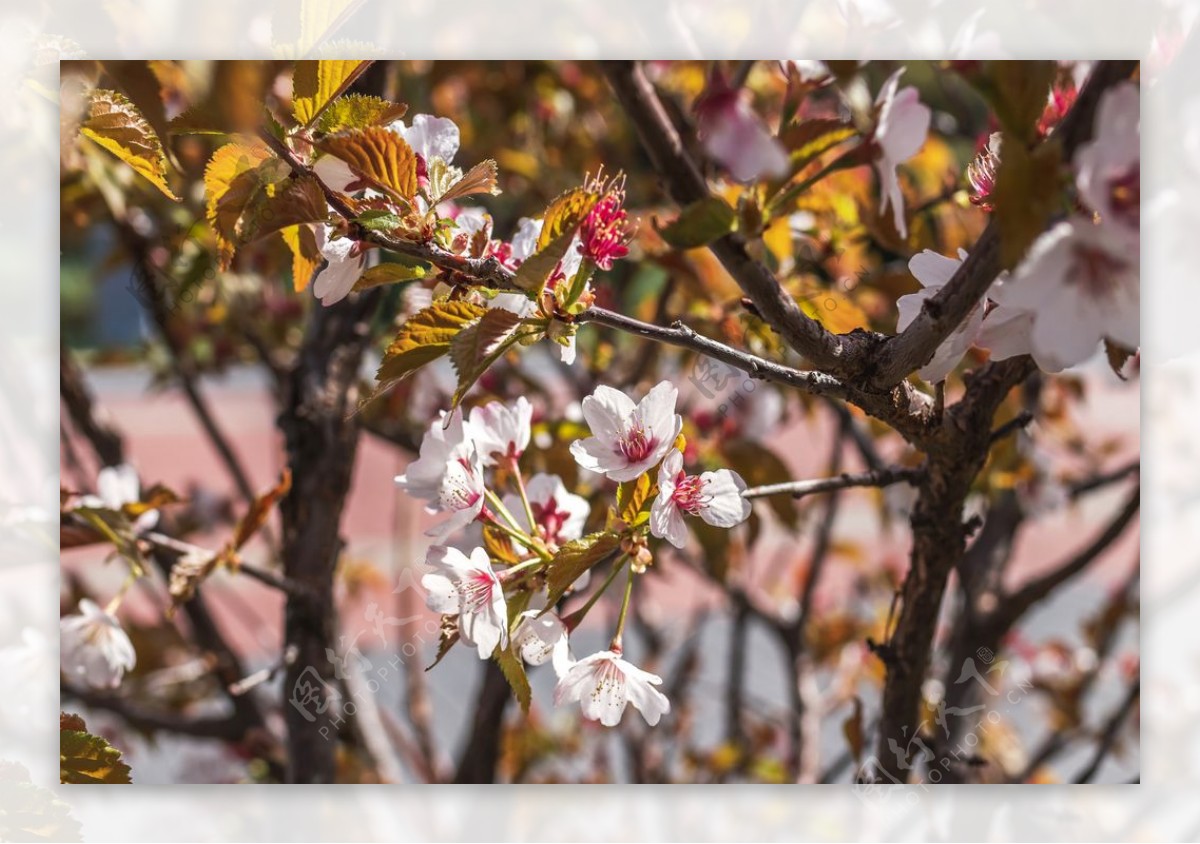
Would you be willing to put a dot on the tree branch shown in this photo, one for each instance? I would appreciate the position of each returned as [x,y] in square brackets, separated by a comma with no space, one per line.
[945,310]
[876,478]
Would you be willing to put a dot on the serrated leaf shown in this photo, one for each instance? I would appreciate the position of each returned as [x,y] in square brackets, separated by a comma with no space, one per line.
[479,345]
[315,84]
[447,636]
[425,337]
[632,497]
[231,181]
[1028,192]
[378,155]
[298,201]
[576,557]
[700,223]
[808,139]
[565,215]
[87,759]
[116,125]
[141,86]
[479,179]
[306,257]
[358,111]
[390,274]
[378,220]
[534,271]
[513,668]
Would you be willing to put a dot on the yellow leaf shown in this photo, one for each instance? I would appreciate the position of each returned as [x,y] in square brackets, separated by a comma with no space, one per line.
[425,337]
[479,179]
[565,214]
[230,183]
[379,155]
[87,758]
[115,124]
[306,257]
[358,111]
[315,84]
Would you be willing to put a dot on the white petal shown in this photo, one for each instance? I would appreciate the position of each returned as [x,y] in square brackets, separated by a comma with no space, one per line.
[440,593]
[336,279]
[524,242]
[430,137]
[607,413]
[931,269]
[335,173]
[724,505]
[648,700]
[666,522]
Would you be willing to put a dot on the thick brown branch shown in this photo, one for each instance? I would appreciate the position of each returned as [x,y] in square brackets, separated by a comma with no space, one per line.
[945,310]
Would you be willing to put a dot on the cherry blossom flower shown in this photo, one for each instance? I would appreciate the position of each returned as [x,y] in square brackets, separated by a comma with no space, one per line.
[933,271]
[117,486]
[605,232]
[1079,283]
[716,497]
[501,432]
[430,137]
[467,587]
[734,135]
[627,439]
[558,515]
[539,638]
[604,683]
[1108,168]
[810,70]
[344,262]
[94,648]
[447,473]
[900,133]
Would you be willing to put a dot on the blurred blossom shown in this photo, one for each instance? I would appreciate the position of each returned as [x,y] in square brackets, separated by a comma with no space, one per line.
[94,648]
[900,131]
[734,135]
[117,486]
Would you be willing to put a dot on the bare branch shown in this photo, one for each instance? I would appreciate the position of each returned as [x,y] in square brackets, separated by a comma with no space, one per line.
[875,478]
[1110,732]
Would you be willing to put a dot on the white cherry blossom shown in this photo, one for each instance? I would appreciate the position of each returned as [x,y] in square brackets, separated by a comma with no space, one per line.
[604,684]
[467,587]
[117,486]
[627,439]
[559,515]
[734,135]
[933,271]
[344,262]
[430,137]
[1108,167]
[1079,283]
[539,638]
[501,431]
[900,131]
[447,474]
[716,497]
[94,648]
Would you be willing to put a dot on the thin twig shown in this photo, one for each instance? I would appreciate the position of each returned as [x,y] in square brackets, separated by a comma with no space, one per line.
[877,478]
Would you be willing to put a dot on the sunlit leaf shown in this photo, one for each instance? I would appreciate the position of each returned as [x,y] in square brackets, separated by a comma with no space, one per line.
[378,155]
[306,257]
[565,214]
[576,557]
[116,125]
[297,201]
[84,758]
[479,345]
[358,111]
[633,497]
[808,139]
[140,85]
[231,182]
[479,179]
[316,83]
[425,337]
[513,668]
[700,223]
[390,274]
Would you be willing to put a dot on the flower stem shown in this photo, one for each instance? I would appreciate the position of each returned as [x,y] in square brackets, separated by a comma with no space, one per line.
[572,621]
[616,640]
[115,604]
[516,471]
[512,530]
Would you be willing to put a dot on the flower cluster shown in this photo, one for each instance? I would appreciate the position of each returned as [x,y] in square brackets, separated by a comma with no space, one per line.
[1079,283]
[498,597]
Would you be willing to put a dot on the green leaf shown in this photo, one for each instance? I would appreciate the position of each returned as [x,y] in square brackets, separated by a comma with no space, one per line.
[700,223]
[479,345]
[87,758]
[379,220]
[358,111]
[1027,194]
[390,274]
[514,672]
[576,557]
[116,125]
[315,84]
[1017,92]
[425,337]
[809,139]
